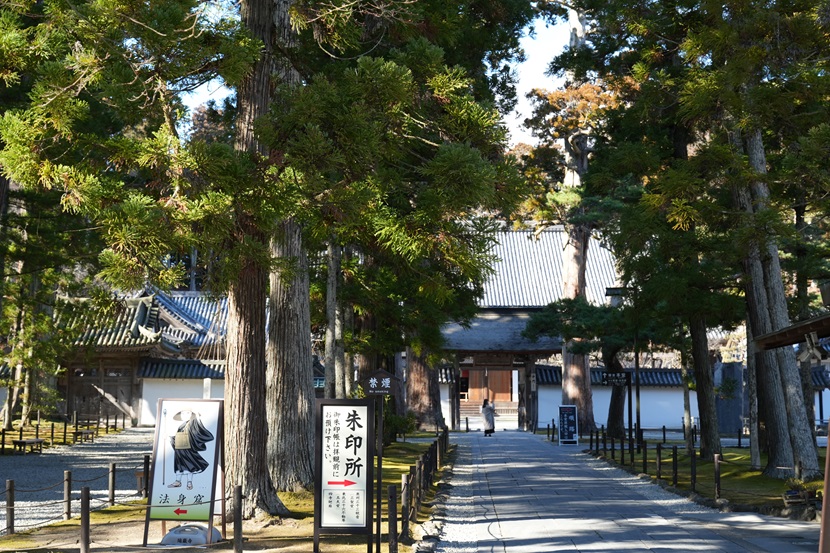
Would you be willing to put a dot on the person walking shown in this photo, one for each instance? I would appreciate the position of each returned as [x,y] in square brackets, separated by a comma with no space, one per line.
[488,416]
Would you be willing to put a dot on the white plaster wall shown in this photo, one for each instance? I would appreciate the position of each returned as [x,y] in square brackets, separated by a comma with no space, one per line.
[658,406]
[445,403]
[825,399]
[154,389]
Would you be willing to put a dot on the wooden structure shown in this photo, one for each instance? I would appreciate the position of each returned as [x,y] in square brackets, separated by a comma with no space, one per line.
[493,359]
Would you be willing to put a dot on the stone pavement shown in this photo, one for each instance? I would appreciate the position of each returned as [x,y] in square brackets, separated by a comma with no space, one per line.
[517,493]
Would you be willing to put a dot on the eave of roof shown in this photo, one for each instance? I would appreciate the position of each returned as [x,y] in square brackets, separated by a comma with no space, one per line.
[497,330]
[794,334]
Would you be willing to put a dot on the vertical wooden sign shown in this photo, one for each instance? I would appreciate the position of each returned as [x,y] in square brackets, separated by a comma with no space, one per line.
[344,456]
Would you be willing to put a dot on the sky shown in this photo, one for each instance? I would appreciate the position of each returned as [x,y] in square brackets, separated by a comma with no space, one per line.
[540,50]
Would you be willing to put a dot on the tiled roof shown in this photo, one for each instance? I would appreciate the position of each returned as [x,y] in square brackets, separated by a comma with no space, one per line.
[203,318]
[181,369]
[131,326]
[197,369]
[661,378]
[497,330]
[528,272]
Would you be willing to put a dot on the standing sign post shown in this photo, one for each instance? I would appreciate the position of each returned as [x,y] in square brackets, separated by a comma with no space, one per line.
[379,385]
[343,468]
[568,425]
[186,459]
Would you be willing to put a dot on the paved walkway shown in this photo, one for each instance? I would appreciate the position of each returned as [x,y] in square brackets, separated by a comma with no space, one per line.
[518,493]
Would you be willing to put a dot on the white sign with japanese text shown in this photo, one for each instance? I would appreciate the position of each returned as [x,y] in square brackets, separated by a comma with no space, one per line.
[346,455]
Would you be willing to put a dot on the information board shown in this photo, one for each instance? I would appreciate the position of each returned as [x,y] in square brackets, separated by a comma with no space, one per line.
[344,459]
[186,460]
[568,429]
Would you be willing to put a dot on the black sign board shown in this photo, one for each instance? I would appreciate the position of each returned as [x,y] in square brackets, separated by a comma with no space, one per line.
[379,383]
[615,379]
[567,425]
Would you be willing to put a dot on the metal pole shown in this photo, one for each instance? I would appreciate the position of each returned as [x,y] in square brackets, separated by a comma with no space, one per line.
[146,488]
[237,519]
[637,386]
[67,494]
[112,484]
[393,518]
[380,471]
[10,506]
[85,519]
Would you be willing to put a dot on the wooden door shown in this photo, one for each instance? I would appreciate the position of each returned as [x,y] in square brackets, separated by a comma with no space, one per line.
[501,382]
[477,390]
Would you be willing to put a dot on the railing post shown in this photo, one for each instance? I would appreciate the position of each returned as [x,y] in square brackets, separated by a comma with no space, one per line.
[622,450]
[393,518]
[717,475]
[237,519]
[604,443]
[645,456]
[85,519]
[419,484]
[146,488]
[112,484]
[3,441]
[674,466]
[404,506]
[67,494]
[693,470]
[613,449]
[664,433]
[10,507]
[659,461]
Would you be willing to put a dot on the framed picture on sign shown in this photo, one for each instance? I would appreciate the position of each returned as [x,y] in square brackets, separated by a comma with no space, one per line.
[186,459]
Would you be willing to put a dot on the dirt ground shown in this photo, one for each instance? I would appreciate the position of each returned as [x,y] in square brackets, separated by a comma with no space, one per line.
[122,531]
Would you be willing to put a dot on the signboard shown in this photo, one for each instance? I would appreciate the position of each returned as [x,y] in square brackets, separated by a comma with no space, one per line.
[379,383]
[344,458]
[186,458]
[614,379]
[568,425]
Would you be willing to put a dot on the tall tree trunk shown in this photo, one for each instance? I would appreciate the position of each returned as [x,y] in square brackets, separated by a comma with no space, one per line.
[616,408]
[347,313]
[576,373]
[801,435]
[752,390]
[769,378]
[687,404]
[246,428]
[802,297]
[709,434]
[423,394]
[333,257]
[290,367]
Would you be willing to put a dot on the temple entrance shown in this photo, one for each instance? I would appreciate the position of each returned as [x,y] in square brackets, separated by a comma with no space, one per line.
[495,385]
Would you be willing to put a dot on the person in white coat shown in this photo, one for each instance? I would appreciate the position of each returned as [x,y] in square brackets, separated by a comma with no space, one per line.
[488,416]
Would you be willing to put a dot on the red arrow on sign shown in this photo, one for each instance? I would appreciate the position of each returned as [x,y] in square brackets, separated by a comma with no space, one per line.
[341,483]
[180,511]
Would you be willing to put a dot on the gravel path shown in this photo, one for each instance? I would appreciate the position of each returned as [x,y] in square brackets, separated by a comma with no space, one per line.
[38,478]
